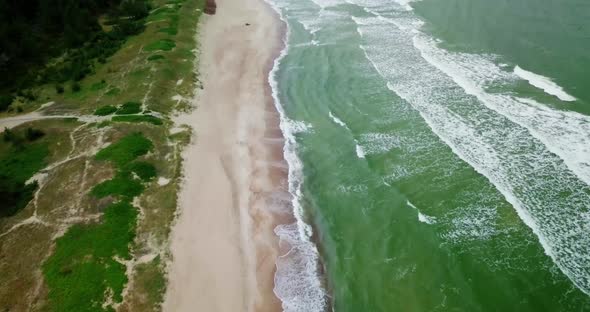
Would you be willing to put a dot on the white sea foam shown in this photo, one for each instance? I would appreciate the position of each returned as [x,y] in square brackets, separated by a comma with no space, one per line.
[544,83]
[356,188]
[472,223]
[566,134]
[378,143]
[422,217]
[426,219]
[299,126]
[489,132]
[405,4]
[297,281]
[359,151]
[337,120]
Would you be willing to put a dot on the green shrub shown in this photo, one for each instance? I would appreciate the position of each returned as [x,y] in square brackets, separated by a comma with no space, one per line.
[105,110]
[139,118]
[7,135]
[15,196]
[76,86]
[121,185]
[33,134]
[143,169]
[5,101]
[126,149]
[59,89]
[155,57]
[29,95]
[17,166]
[129,108]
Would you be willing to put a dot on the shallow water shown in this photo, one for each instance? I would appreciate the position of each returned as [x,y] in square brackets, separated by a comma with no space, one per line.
[442,160]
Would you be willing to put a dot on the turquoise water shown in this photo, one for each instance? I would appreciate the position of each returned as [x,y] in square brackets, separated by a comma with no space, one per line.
[439,155]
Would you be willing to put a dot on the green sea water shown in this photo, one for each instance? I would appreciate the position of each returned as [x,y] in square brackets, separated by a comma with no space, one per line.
[439,155]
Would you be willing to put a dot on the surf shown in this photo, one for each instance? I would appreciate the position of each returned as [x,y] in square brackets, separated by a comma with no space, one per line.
[297,280]
[493,140]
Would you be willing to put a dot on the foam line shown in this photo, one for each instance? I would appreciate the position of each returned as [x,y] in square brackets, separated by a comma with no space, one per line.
[543,83]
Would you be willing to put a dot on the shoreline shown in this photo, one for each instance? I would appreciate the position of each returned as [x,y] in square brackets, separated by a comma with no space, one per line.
[223,244]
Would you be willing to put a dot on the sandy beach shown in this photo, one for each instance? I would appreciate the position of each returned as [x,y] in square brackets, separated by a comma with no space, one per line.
[223,245]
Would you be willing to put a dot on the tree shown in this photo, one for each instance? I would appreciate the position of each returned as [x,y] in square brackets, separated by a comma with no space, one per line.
[5,101]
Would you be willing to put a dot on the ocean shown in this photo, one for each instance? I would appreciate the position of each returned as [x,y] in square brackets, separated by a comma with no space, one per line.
[439,155]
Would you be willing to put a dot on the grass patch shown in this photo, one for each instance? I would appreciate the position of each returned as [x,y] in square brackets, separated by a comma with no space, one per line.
[160,13]
[82,268]
[122,184]
[18,164]
[113,92]
[155,57]
[105,110]
[126,149]
[172,31]
[139,118]
[161,45]
[129,108]
[151,284]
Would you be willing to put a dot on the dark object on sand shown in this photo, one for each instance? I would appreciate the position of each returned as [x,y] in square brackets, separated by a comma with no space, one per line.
[210,7]
[247,24]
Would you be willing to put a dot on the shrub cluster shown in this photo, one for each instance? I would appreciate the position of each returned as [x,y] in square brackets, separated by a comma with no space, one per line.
[22,159]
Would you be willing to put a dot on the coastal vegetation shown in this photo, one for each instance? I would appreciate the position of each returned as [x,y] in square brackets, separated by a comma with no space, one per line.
[86,210]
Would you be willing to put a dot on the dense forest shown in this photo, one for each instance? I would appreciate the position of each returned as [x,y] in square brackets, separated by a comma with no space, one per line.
[74,34]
